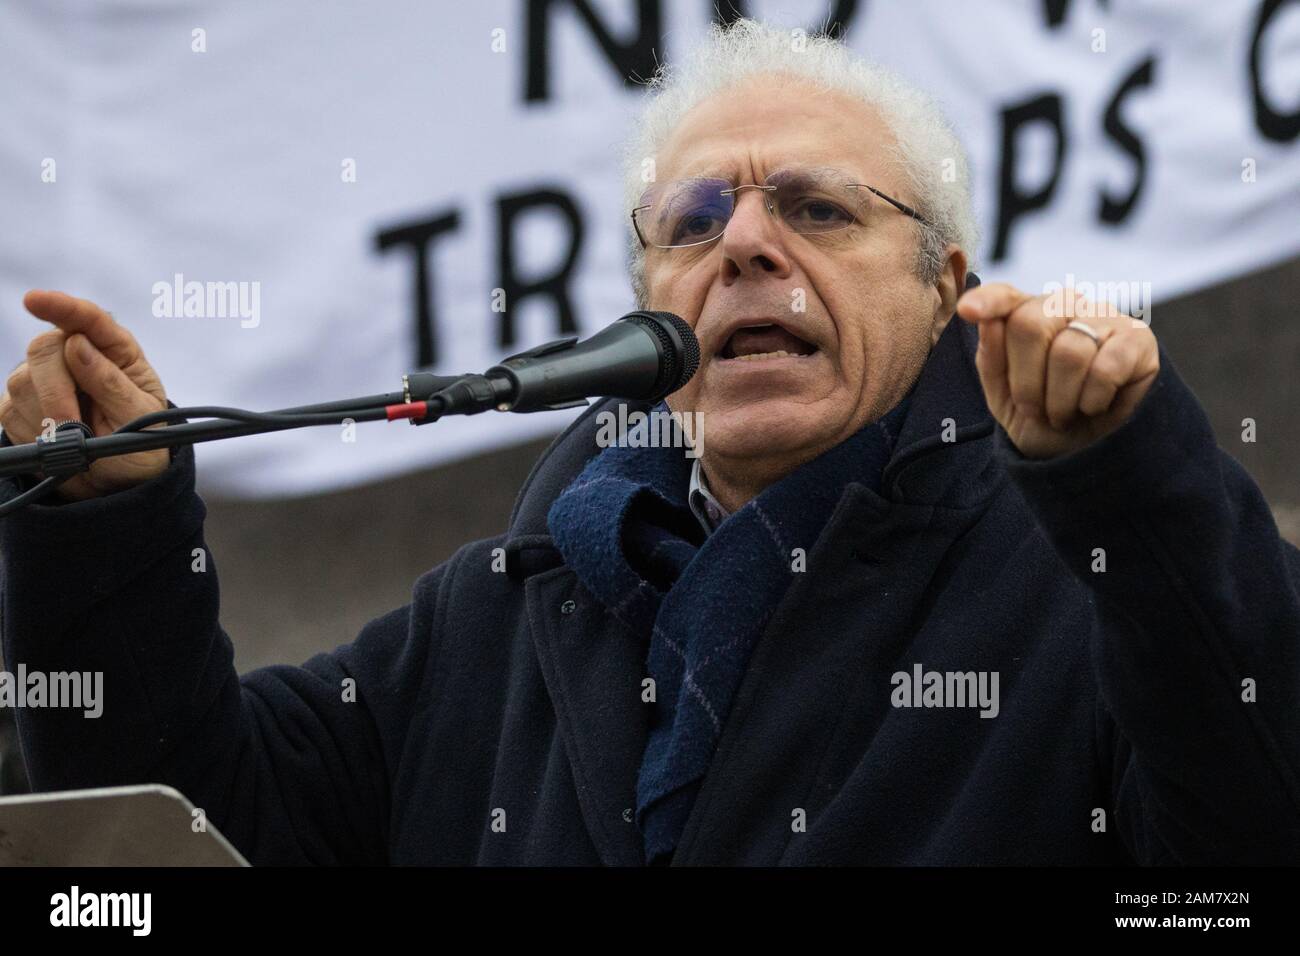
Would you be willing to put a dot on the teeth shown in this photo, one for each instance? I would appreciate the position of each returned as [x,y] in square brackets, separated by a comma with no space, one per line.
[780,353]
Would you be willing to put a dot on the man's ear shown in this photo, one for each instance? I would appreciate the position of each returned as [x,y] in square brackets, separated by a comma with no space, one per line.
[949,286]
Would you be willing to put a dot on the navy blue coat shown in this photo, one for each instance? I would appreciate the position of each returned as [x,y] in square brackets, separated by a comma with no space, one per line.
[498,718]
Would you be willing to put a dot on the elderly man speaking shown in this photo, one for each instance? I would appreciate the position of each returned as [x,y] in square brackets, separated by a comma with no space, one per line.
[960,576]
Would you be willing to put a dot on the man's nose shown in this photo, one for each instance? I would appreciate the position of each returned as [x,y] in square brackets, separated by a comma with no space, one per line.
[752,242]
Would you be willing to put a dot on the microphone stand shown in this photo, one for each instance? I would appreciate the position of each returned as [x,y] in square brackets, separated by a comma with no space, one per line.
[73,447]
[518,383]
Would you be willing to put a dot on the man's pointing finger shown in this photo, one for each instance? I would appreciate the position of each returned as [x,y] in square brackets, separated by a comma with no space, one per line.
[993,301]
[74,315]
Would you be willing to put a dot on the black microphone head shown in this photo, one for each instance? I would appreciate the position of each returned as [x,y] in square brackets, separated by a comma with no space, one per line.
[681,349]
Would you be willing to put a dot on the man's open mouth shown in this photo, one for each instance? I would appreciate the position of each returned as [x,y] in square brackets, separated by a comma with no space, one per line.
[763,342]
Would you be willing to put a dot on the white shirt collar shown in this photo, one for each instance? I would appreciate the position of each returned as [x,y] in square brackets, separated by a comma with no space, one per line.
[706,508]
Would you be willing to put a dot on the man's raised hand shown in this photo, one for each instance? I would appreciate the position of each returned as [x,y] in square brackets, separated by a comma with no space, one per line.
[1052,388]
[89,368]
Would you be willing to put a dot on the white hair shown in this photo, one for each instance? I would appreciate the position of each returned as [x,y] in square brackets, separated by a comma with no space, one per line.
[926,148]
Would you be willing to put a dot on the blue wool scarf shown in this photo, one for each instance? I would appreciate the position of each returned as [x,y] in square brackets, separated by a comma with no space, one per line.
[626,530]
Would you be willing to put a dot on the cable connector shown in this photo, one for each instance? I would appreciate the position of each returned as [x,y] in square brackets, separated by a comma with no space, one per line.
[468,395]
[65,454]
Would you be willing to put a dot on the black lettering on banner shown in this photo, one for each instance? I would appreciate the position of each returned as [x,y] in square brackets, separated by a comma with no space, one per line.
[556,284]
[419,235]
[634,60]
[835,25]
[1116,210]
[1054,11]
[1013,204]
[1279,127]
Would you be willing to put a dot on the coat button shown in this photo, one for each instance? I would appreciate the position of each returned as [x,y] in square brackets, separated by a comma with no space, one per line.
[627,815]
[568,607]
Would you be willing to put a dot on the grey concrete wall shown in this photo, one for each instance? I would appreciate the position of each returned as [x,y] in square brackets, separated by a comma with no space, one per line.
[302,575]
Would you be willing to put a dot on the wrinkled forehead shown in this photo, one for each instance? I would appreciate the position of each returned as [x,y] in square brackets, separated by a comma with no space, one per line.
[746,132]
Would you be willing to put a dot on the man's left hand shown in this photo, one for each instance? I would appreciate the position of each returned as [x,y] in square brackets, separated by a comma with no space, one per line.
[1051,387]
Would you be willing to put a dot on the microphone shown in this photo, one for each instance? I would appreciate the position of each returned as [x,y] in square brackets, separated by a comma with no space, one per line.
[644,355]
